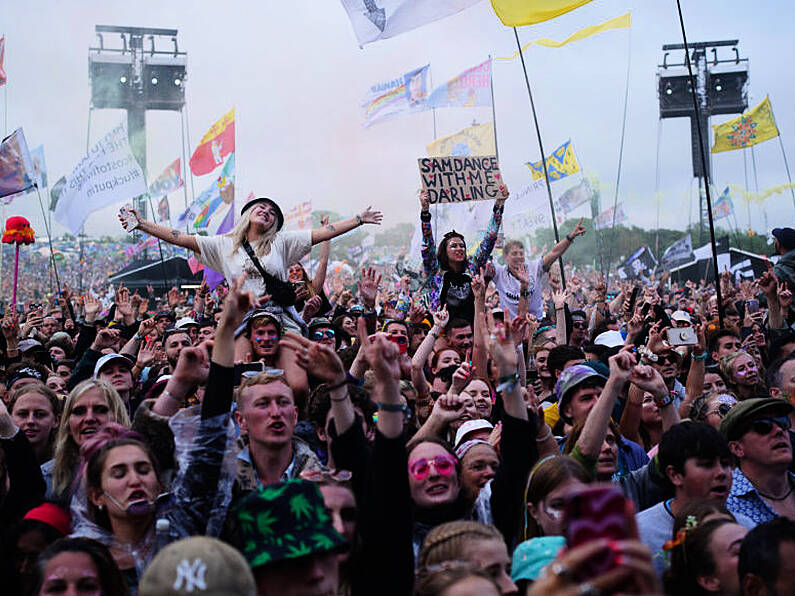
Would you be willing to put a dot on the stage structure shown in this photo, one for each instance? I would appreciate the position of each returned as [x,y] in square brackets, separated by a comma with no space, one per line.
[721,88]
[137,79]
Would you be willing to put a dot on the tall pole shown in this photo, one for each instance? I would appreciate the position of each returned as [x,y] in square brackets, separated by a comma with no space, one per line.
[702,152]
[493,108]
[49,239]
[784,155]
[543,155]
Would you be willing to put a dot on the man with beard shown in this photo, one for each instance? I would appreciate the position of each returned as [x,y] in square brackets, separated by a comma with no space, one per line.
[762,488]
[174,341]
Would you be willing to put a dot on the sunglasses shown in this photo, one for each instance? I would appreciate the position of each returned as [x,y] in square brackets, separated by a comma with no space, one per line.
[271,373]
[764,426]
[327,475]
[443,464]
[324,334]
[667,359]
[578,324]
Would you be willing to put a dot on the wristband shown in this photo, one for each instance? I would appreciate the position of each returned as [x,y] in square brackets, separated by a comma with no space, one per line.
[170,395]
[425,216]
[702,356]
[392,407]
[667,401]
[342,383]
[358,220]
[569,238]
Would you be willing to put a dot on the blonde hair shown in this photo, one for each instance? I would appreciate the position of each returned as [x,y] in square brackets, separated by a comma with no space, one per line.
[727,363]
[262,245]
[448,542]
[67,453]
[262,378]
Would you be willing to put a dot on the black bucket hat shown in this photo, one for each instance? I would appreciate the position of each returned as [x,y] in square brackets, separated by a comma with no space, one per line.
[272,203]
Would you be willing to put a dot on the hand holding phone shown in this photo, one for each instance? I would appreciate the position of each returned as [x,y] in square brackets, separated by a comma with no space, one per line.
[129,220]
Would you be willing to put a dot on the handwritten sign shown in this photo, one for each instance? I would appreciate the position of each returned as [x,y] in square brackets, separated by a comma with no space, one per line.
[460,179]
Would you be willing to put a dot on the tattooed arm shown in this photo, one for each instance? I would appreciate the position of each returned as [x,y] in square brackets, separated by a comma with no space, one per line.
[167,234]
[338,228]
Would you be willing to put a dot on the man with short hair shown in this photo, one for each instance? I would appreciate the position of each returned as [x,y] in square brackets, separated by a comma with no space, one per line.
[263,331]
[722,343]
[579,328]
[696,460]
[762,486]
[289,540]
[174,340]
[784,245]
[766,564]
[206,330]
[116,369]
[781,383]
[267,415]
[459,336]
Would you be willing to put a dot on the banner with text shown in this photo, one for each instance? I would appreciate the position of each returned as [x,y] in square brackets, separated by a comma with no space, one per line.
[108,174]
[460,179]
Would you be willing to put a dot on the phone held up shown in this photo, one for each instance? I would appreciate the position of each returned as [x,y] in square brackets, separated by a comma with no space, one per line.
[682,336]
[129,219]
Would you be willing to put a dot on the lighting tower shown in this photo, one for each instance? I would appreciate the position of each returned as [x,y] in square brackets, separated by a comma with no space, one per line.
[721,88]
[137,79]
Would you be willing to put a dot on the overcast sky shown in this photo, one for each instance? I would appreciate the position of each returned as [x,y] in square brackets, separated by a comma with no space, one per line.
[296,77]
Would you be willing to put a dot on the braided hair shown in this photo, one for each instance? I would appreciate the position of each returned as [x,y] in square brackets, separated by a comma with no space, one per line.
[448,542]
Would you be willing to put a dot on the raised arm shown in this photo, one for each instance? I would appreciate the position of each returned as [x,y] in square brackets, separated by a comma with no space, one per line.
[322,263]
[428,250]
[170,235]
[333,230]
[562,246]
[483,252]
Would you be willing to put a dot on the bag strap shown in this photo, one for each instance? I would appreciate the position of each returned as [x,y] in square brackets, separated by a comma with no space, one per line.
[265,275]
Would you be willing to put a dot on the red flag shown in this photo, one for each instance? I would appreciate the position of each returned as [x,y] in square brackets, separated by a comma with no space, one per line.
[3,77]
[217,143]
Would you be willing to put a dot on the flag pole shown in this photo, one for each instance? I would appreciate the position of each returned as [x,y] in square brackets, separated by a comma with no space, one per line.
[702,149]
[49,240]
[493,109]
[543,155]
[184,166]
[621,156]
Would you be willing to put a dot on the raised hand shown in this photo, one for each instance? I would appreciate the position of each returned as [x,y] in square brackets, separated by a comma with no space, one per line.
[382,355]
[173,297]
[460,378]
[146,327]
[92,307]
[193,365]
[784,296]
[441,317]
[502,348]
[370,216]
[368,286]
[312,306]
[504,194]
[11,326]
[578,230]
[518,329]
[319,360]
[425,201]
[146,354]
[106,338]
[478,285]
[622,364]
[238,302]
[124,303]
[416,312]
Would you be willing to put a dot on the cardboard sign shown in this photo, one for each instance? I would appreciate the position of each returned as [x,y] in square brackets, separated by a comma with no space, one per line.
[460,179]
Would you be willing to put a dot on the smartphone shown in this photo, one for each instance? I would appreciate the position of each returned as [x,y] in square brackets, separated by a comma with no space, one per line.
[593,513]
[532,376]
[752,306]
[129,219]
[246,367]
[682,336]
[632,299]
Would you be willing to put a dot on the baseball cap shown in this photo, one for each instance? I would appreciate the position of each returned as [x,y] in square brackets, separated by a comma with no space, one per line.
[107,359]
[611,339]
[198,565]
[297,521]
[735,424]
[53,516]
[532,556]
[28,344]
[186,322]
[681,315]
[785,236]
[569,379]
[471,426]
[26,372]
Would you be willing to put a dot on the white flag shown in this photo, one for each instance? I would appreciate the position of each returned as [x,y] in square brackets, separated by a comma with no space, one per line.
[380,19]
[107,174]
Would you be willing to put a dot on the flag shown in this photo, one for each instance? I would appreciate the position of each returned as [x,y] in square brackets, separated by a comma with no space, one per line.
[475,140]
[3,77]
[208,202]
[641,264]
[724,206]
[622,22]
[471,88]
[39,167]
[169,181]
[748,129]
[396,97]
[163,211]
[16,166]
[213,278]
[55,192]
[381,19]
[605,218]
[300,216]
[108,174]
[217,143]
[560,164]
[679,253]
[518,13]
[574,197]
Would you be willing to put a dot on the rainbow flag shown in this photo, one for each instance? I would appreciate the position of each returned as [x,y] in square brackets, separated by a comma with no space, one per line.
[396,97]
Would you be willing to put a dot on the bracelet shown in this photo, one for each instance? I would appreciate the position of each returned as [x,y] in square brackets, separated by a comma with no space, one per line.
[702,356]
[392,407]
[570,239]
[508,382]
[358,219]
[342,383]
[167,393]
[546,436]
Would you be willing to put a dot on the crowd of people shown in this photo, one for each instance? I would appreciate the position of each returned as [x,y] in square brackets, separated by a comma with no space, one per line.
[494,425]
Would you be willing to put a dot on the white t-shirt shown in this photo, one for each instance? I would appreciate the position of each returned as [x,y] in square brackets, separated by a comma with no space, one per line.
[287,248]
[509,287]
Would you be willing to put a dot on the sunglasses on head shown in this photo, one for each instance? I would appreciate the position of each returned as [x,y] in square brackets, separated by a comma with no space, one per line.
[271,373]
[323,334]
[443,464]
[764,426]
[327,475]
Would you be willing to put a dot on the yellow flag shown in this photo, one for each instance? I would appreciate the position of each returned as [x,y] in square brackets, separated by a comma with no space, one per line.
[475,140]
[560,164]
[517,13]
[752,127]
[622,22]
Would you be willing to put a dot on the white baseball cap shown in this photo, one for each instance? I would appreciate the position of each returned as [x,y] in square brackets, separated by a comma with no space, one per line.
[471,426]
